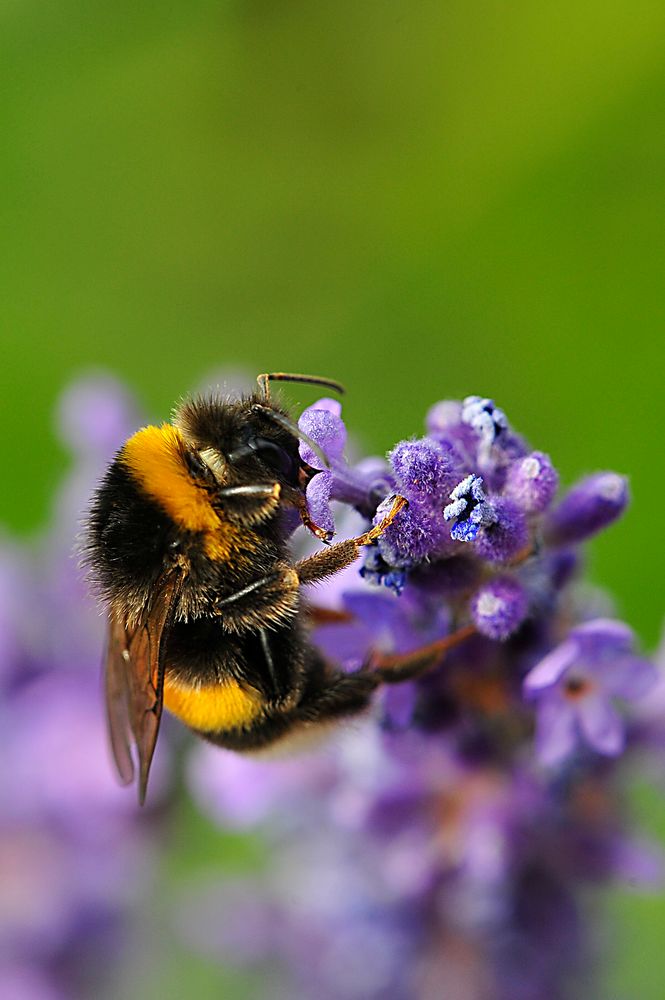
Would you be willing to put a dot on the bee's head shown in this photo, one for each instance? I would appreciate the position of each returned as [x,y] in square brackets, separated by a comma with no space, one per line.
[244,441]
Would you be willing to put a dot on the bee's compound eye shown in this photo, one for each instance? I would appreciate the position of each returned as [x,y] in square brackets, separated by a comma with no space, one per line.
[278,458]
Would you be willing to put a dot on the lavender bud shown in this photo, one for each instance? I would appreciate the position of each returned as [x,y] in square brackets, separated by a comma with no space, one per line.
[414,537]
[499,608]
[587,508]
[423,469]
[502,540]
[532,481]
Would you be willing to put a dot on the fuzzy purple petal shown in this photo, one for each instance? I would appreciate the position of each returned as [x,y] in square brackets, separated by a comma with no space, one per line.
[556,730]
[326,427]
[629,677]
[601,725]
[318,494]
[415,534]
[551,668]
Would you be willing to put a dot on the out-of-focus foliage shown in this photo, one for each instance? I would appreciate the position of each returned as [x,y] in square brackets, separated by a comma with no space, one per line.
[422,199]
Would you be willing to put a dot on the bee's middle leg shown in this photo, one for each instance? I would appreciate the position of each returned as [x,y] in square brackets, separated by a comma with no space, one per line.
[263,602]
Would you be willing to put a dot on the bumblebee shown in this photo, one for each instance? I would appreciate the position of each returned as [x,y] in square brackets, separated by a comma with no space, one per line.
[187,546]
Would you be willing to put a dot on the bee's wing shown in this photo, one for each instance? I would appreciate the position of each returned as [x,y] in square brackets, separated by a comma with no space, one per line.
[135,683]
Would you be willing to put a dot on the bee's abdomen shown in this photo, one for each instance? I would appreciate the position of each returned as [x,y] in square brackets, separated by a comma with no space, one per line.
[224,705]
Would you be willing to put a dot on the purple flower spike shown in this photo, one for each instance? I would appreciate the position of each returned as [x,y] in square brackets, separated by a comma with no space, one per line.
[470,509]
[532,481]
[588,507]
[506,536]
[576,686]
[499,608]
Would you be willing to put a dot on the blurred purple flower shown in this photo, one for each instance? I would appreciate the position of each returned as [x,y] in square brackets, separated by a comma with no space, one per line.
[73,863]
[499,607]
[576,686]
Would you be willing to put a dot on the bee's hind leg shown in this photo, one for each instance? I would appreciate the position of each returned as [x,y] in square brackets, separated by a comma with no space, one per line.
[398,667]
[331,693]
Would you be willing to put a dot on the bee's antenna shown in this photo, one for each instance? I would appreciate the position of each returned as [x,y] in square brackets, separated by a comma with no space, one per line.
[291,426]
[265,380]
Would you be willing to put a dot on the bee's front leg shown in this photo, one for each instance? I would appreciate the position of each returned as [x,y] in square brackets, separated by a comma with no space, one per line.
[249,505]
[329,561]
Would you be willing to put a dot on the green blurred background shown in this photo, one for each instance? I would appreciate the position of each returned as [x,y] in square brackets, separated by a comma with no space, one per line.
[420,198]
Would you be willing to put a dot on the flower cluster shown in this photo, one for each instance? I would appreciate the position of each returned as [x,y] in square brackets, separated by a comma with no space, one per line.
[72,850]
[442,848]
[484,538]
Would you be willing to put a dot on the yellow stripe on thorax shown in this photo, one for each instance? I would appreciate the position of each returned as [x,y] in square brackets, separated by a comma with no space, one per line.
[155,459]
[214,707]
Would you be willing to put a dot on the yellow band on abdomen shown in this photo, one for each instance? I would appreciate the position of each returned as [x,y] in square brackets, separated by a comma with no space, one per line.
[213,707]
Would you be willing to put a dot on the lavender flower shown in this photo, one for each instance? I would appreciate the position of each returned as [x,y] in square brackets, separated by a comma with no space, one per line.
[423,472]
[361,486]
[448,859]
[576,686]
[323,423]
